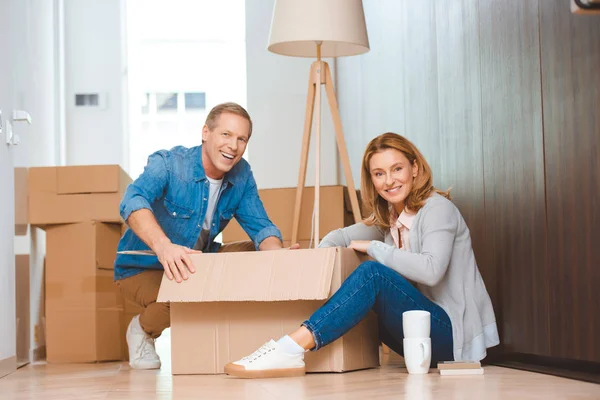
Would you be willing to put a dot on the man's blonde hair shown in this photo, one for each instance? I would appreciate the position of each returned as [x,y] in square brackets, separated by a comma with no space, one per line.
[223,108]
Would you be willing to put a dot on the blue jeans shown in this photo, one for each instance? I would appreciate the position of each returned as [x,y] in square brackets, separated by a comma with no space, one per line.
[373,286]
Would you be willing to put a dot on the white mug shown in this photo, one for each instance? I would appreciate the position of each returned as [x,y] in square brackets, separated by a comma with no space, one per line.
[417,355]
[416,324]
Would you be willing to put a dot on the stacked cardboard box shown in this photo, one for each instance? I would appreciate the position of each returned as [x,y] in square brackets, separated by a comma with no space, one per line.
[79,209]
[335,212]
[21,201]
[22,268]
[22,307]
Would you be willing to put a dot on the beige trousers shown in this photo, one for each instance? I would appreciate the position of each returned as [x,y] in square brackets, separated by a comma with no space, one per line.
[142,289]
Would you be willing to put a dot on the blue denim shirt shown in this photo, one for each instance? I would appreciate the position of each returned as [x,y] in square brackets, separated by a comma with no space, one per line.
[174,187]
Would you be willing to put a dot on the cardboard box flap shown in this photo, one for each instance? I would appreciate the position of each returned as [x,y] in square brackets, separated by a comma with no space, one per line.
[278,275]
[91,179]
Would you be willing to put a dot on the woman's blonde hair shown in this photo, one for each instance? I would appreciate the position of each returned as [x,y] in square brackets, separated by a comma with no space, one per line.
[377,206]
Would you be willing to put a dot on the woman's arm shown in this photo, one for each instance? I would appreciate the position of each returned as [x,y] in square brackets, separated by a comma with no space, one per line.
[440,223]
[343,237]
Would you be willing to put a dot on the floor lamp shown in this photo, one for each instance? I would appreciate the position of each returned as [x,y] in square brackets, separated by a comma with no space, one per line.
[319,28]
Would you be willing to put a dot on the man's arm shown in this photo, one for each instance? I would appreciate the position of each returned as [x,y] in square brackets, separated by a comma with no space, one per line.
[253,218]
[273,243]
[173,257]
[136,210]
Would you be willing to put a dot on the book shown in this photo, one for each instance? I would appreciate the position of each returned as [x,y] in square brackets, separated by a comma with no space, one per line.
[470,371]
[454,365]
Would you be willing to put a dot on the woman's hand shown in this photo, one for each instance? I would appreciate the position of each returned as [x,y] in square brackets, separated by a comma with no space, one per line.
[360,245]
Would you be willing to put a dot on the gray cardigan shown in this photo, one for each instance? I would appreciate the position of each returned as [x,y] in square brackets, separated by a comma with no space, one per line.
[442,264]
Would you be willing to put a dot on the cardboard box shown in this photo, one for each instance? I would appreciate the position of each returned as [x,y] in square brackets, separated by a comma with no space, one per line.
[22,298]
[83,305]
[21,201]
[235,302]
[335,212]
[62,195]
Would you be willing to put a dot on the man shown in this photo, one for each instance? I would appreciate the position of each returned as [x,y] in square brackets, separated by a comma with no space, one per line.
[178,205]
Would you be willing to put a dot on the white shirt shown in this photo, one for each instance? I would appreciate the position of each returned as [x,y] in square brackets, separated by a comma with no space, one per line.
[213,198]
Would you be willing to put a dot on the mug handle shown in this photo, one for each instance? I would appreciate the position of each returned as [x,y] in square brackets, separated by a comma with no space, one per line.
[426,353]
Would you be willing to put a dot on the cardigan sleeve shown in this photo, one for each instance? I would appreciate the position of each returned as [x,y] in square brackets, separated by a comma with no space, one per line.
[438,229]
[342,237]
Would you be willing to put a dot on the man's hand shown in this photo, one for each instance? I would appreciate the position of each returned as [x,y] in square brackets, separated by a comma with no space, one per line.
[360,245]
[175,260]
[294,246]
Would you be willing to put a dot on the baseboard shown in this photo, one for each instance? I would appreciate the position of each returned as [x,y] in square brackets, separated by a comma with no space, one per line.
[573,369]
[38,354]
[8,366]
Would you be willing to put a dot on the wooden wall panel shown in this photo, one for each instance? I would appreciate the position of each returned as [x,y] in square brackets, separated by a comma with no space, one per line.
[370,86]
[459,134]
[503,98]
[418,45]
[514,170]
[570,58]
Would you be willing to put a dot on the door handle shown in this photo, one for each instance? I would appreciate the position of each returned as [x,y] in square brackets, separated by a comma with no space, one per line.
[20,115]
[17,116]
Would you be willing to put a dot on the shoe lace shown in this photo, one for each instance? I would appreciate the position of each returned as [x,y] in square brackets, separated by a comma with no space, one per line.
[262,350]
[147,348]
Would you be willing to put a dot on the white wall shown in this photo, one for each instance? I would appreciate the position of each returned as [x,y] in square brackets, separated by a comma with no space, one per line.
[36,85]
[9,20]
[277,88]
[94,63]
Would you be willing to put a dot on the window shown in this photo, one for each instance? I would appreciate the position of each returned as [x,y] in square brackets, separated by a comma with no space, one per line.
[145,103]
[166,102]
[195,101]
[171,86]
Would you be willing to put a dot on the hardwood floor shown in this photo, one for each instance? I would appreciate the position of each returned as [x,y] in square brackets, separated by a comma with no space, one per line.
[113,381]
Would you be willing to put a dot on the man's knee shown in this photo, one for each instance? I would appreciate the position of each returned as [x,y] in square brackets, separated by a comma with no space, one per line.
[142,288]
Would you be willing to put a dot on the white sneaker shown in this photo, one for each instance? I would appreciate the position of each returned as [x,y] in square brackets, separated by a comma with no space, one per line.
[142,354]
[269,361]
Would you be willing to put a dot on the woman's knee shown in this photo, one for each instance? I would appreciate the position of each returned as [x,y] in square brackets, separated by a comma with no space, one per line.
[374,269]
[369,268]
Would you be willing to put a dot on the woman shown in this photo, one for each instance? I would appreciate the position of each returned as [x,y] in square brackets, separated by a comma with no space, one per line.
[415,234]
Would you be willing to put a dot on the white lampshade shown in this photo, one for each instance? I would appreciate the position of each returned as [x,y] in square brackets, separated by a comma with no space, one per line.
[298,24]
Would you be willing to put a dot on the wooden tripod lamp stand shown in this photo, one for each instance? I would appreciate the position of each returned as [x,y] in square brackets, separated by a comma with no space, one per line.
[319,28]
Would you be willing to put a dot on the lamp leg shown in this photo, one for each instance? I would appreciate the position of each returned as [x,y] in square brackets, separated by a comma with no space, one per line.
[308,119]
[317,220]
[339,134]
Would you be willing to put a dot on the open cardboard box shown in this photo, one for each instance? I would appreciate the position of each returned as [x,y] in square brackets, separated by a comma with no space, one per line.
[235,302]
